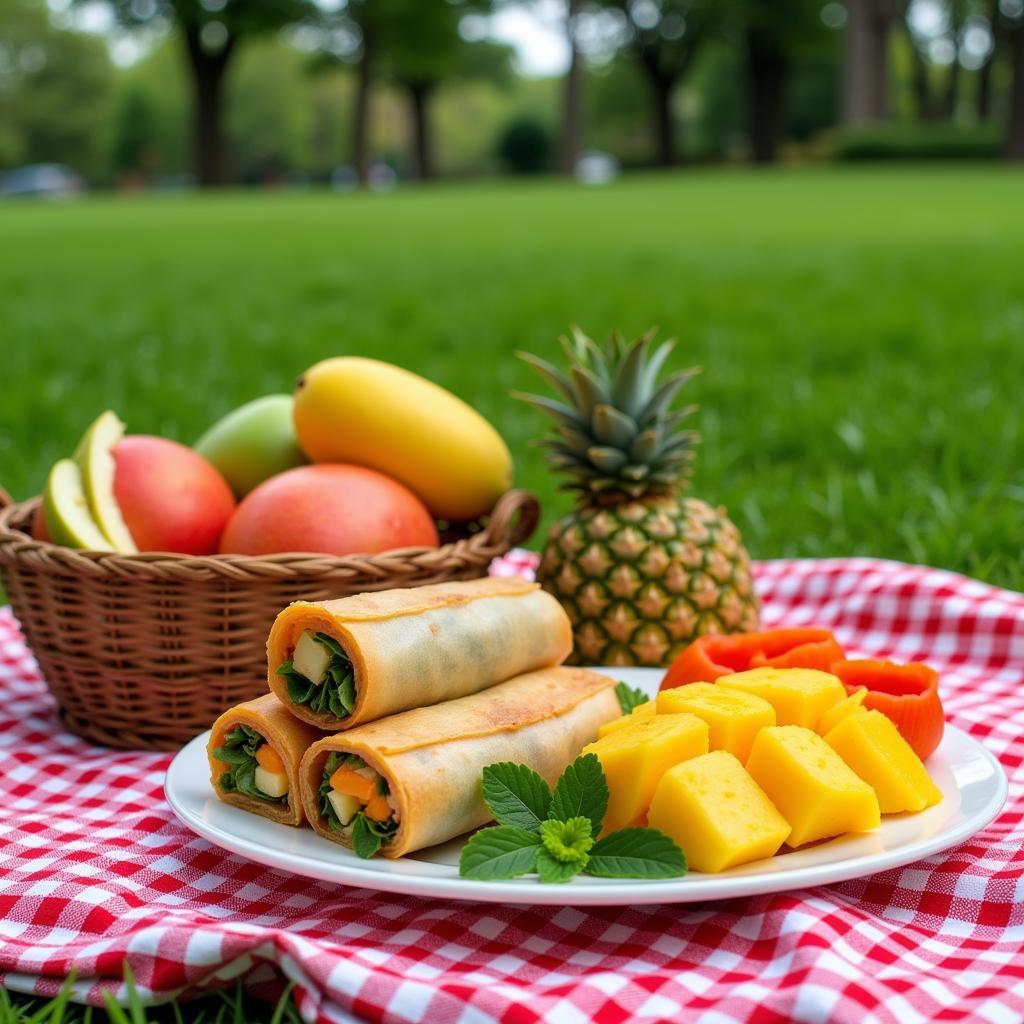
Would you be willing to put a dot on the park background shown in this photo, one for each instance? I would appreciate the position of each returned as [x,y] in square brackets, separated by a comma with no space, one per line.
[819,200]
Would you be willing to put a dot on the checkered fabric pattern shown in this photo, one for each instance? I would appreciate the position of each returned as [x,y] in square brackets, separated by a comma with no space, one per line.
[95,870]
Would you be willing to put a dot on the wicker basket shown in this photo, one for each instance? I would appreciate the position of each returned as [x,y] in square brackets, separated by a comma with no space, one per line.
[144,651]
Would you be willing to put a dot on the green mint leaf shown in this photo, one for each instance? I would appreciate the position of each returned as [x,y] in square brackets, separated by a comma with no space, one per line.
[551,869]
[636,853]
[366,840]
[629,697]
[516,795]
[581,792]
[499,852]
[567,841]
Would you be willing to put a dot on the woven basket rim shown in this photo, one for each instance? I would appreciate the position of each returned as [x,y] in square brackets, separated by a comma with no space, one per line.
[514,517]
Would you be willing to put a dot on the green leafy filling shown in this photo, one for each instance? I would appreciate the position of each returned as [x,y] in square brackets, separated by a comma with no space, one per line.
[368,836]
[239,754]
[336,695]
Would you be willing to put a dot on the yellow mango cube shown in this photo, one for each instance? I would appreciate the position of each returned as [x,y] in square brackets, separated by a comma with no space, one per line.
[734,718]
[717,813]
[872,746]
[811,785]
[835,714]
[640,711]
[635,757]
[799,695]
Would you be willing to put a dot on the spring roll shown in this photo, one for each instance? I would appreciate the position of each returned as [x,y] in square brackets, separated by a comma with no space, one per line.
[338,664]
[255,750]
[413,780]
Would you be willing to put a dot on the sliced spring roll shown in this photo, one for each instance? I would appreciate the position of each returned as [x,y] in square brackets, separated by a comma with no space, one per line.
[413,780]
[255,750]
[338,664]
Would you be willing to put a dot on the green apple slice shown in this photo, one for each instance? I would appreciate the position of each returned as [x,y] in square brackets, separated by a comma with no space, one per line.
[95,459]
[66,509]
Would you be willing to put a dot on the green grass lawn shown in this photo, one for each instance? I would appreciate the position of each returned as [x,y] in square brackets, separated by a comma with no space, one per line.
[861,331]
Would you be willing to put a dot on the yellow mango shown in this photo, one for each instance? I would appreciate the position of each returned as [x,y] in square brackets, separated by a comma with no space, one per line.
[734,718]
[635,757]
[351,409]
[717,813]
[640,711]
[811,785]
[835,714]
[799,695]
[872,746]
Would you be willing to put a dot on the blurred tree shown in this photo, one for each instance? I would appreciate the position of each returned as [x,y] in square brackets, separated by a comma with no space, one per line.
[773,36]
[56,92]
[136,135]
[665,36]
[1013,28]
[866,60]
[269,113]
[421,47]
[984,94]
[572,101]
[525,146]
[211,31]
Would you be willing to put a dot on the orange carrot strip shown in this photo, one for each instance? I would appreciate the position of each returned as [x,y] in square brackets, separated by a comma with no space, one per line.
[351,783]
[378,809]
[269,759]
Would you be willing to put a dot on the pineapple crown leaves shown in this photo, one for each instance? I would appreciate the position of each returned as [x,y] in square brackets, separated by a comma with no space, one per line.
[616,434]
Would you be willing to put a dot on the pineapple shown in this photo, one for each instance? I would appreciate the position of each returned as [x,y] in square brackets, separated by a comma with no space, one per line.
[640,570]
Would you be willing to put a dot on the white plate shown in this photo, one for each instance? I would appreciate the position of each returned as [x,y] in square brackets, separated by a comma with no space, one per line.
[973,787]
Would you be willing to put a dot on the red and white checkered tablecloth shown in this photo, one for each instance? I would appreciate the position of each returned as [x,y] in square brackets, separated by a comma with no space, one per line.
[94,869]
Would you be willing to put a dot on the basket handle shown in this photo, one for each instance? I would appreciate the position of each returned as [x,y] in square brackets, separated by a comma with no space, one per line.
[5,499]
[514,518]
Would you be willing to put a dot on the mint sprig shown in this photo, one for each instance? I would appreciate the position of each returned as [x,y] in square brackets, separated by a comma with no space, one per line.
[554,835]
[629,697]
[582,791]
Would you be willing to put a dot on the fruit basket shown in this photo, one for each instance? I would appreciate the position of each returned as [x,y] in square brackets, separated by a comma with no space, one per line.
[144,651]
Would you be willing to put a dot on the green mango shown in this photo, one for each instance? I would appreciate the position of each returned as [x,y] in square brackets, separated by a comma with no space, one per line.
[252,443]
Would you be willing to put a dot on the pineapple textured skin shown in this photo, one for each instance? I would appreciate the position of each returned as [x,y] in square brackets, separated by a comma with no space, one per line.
[642,579]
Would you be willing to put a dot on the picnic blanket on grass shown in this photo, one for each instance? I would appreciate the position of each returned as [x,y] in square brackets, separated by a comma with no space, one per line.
[94,869]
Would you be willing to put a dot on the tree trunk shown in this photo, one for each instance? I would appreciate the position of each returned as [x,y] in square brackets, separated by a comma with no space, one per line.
[767,69]
[866,61]
[572,133]
[664,123]
[984,95]
[1015,134]
[361,118]
[918,71]
[952,97]
[209,148]
[419,94]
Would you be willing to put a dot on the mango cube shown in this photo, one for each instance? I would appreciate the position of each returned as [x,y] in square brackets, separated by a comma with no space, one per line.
[717,813]
[811,785]
[835,714]
[734,718]
[640,711]
[872,746]
[635,757]
[799,695]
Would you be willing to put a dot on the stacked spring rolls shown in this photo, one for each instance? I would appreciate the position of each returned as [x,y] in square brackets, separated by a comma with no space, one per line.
[385,707]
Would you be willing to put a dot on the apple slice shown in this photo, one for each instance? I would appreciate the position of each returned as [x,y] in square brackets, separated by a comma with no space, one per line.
[95,459]
[66,510]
